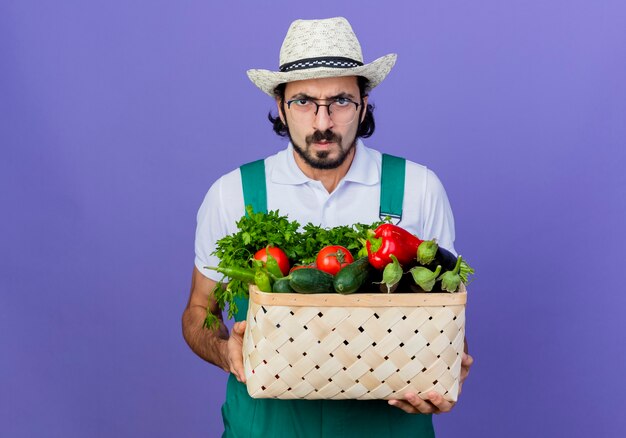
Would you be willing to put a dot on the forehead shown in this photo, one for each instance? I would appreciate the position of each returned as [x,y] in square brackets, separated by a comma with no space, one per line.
[324,87]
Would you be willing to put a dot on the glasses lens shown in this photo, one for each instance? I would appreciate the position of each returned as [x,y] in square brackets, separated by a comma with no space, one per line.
[341,113]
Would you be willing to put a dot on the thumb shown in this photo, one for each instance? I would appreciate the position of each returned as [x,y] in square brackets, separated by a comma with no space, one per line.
[239,327]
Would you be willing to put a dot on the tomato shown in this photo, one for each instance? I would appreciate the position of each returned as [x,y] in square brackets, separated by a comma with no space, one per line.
[332,258]
[278,254]
[296,267]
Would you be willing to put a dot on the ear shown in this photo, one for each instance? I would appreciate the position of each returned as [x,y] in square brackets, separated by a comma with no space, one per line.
[364,108]
[280,112]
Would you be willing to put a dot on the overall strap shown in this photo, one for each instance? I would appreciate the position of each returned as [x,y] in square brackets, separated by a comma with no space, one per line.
[392,187]
[255,195]
[253,183]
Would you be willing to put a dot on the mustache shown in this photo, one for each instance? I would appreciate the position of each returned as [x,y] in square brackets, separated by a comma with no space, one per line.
[327,135]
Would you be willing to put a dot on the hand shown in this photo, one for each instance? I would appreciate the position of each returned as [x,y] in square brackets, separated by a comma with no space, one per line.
[434,402]
[412,404]
[466,363]
[234,351]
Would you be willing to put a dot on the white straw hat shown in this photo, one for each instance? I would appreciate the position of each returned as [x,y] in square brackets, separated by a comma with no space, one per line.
[321,49]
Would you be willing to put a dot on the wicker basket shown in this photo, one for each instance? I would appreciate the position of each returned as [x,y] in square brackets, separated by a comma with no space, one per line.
[359,346]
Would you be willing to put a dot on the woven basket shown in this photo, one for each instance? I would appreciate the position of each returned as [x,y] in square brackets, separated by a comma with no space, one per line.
[359,346]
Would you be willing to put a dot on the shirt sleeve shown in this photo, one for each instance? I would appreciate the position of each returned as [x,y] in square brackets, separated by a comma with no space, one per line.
[438,217]
[217,217]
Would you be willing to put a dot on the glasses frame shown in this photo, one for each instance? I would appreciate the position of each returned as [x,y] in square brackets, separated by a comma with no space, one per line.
[327,105]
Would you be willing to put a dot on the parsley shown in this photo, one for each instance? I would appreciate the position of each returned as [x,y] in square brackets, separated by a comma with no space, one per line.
[301,244]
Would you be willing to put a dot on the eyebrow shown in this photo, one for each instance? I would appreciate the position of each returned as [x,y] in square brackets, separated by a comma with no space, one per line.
[337,96]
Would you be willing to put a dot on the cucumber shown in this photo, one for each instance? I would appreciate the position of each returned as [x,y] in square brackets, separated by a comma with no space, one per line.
[282,286]
[311,281]
[351,277]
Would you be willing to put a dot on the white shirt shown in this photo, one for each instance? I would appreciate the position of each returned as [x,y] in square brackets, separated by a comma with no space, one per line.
[426,210]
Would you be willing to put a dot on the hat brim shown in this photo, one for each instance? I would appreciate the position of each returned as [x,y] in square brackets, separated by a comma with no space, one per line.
[375,72]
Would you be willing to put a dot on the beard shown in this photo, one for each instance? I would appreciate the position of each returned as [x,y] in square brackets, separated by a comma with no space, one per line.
[321,159]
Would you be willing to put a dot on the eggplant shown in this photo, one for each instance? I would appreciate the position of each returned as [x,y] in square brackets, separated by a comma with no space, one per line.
[392,274]
[451,280]
[425,278]
[444,258]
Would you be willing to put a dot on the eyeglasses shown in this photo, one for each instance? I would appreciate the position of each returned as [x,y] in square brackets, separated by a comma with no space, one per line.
[341,110]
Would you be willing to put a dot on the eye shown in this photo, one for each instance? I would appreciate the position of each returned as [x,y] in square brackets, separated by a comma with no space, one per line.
[342,101]
[301,102]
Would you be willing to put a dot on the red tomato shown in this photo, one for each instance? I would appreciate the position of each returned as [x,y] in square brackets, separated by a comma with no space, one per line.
[296,267]
[278,254]
[332,258]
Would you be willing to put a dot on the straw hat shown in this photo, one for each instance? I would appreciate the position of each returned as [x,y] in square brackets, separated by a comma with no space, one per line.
[321,49]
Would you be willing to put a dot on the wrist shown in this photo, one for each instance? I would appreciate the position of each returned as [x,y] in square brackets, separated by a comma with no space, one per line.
[224,362]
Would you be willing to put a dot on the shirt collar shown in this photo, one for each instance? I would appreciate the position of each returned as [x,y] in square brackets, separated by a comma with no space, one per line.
[363,169]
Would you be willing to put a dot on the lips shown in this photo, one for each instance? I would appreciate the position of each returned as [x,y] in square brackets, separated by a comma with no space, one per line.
[323,144]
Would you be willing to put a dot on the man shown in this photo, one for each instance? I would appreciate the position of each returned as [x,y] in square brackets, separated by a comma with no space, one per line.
[326,176]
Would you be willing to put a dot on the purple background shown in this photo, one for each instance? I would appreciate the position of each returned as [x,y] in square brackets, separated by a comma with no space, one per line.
[115,118]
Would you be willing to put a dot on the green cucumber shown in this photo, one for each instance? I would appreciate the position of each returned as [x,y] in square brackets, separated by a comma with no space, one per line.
[351,277]
[311,281]
[282,286]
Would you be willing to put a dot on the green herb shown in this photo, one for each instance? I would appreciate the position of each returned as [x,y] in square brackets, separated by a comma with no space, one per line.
[301,244]
[351,237]
[236,251]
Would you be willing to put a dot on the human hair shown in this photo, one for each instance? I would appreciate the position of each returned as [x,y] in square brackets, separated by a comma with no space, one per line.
[366,127]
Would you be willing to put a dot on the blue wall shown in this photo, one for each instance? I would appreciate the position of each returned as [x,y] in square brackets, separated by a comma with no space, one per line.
[115,118]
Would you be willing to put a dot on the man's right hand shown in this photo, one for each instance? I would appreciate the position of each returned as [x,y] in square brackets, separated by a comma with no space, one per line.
[215,346]
[234,351]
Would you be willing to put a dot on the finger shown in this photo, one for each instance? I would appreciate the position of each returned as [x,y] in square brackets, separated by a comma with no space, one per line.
[239,372]
[236,366]
[239,328]
[404,405]
[440,403]
[414,404]
[466,363]
[423,406]
[235,356]
[466,360]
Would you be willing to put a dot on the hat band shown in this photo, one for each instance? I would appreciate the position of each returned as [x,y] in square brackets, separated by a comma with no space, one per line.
[324,61]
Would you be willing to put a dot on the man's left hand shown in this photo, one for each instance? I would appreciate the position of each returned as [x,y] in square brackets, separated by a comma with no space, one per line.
[434,402]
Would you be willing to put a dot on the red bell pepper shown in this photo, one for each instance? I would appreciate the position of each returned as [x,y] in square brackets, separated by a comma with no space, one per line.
[390,239]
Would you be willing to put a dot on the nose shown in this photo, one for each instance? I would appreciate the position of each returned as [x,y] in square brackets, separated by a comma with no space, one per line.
[322,120]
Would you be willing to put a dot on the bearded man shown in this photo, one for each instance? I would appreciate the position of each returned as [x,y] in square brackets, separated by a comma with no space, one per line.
[327,176]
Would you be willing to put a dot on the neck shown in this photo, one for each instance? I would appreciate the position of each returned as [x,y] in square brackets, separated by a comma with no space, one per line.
[328,177]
